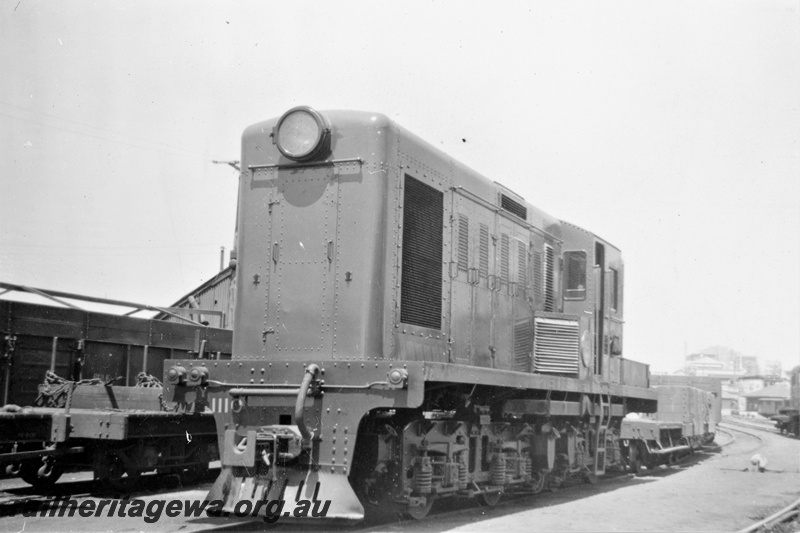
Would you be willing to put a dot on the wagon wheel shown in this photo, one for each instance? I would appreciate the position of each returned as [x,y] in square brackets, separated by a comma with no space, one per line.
[634,464]
[489,499]
[112,474]
[42,475]
[203,453]
[418,512]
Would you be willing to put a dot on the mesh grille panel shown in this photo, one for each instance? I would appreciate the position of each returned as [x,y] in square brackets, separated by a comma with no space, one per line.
[421,286]
[556,346]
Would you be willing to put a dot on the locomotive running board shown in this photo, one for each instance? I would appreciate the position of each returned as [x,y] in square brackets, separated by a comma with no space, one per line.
[302,495]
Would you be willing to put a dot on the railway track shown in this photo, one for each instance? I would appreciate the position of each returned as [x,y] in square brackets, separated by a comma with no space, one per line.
[727,427]
[84,488]
[742,423]
[788,513]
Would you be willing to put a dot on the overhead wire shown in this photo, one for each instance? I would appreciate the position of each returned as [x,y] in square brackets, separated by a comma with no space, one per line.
[156,145]
[114,137]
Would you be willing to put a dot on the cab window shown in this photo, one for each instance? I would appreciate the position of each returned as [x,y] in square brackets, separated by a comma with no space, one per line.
[575,275]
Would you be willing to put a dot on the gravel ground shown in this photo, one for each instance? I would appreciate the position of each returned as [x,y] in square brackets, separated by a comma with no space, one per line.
[710,492]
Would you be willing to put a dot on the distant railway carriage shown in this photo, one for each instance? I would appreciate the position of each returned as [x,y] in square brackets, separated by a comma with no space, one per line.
[406,330]
[713,386]
[686,420]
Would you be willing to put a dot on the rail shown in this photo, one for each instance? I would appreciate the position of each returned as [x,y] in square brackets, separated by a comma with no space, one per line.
[731,427]
[787,513]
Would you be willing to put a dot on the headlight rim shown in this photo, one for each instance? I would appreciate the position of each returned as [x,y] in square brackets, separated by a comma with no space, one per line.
[320,146]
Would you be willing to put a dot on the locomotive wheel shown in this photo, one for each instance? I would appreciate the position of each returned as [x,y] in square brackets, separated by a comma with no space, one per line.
[489,499]
[41,475]
[418,512]
[537,482]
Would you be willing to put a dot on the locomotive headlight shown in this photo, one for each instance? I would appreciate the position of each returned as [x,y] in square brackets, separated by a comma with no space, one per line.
[302,134]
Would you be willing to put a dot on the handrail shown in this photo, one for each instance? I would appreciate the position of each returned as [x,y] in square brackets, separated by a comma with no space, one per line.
[57,295]
[312,371]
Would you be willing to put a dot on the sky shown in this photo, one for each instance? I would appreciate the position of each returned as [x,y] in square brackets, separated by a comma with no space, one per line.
[670,129]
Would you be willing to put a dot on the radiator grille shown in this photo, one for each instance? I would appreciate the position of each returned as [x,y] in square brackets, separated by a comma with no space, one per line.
[421,286]
[522,346]
[549,299]
[556,346]
[463,242]
[484,250]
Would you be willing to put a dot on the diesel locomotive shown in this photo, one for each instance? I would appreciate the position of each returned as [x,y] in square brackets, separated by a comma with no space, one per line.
[406,330]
